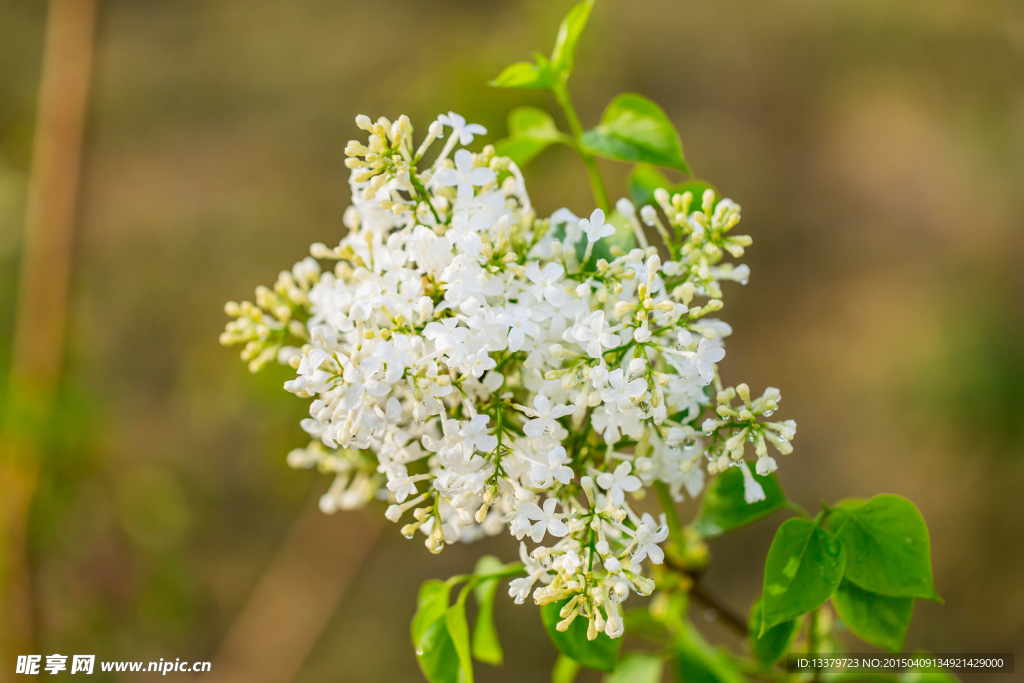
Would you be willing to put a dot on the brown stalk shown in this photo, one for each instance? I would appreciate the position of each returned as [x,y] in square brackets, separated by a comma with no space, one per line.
[42,302]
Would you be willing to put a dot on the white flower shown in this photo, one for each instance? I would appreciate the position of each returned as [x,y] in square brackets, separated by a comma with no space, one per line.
[521,325]
[386,419]
[464,131]
[403,486]
[480,363]
[547,520]
[704,356]
[443,275]
[618,482]
[464,176]
[590,334]
[648,536]
[599,375]
[766,465]
[596,228]
[311,378]
[556,468]
[752,490]
[476,438]
[567,564]
[545,282]
[620,392]
[546,414]
[519,588]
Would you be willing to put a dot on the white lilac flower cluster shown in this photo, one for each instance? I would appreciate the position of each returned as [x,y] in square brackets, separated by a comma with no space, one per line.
[483,368]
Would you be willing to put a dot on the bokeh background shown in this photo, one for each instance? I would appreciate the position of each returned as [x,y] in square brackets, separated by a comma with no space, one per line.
[877,149]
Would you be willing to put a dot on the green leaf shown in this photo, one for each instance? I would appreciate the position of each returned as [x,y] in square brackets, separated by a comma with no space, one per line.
[601,653]
[644,179]
[458,629]
[568,38]
[804,567]
[530,132]
[724,508]
[633,128]
[637,667]
[776,641]
[887,547]
[486,646]
[874,618]
[525,75]
[436,654]
[565,670]
[697,662]
[431,605]
[435,651]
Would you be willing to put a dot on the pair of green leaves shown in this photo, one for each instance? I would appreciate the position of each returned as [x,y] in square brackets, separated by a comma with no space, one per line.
[632,128]
[544,73]
[871,557]
[888,565]
[440,632]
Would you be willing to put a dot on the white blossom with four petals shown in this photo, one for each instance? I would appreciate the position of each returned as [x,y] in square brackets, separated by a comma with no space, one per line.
[464,177]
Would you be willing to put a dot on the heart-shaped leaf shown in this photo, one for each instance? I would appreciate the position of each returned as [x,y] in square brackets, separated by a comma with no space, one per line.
[876,619]
[887,547]
[804,567]
[633,128]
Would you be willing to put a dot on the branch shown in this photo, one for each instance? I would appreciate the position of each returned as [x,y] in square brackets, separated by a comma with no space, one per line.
[725,613]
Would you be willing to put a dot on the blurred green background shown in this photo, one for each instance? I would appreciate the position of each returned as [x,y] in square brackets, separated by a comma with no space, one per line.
[877,149]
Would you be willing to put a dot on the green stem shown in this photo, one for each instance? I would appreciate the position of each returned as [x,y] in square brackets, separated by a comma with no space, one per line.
[596,184]
[753,669]
[422,192]
[797,508]
[812,643]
